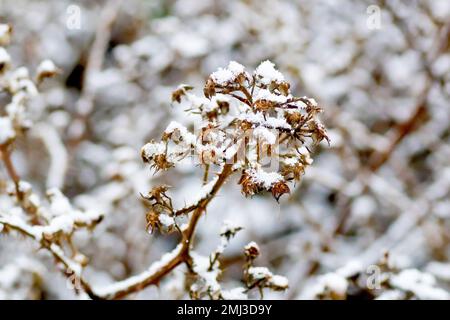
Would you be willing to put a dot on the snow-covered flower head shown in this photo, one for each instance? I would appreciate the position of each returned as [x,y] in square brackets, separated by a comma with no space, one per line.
[249,120]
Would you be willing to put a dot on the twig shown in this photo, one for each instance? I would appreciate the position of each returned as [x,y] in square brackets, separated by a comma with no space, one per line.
[135,283]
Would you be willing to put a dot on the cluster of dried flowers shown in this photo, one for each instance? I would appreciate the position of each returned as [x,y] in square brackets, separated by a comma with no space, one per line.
[246,121]
[250,122]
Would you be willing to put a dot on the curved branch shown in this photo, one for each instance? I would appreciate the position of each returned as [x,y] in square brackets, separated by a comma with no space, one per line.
[153,274]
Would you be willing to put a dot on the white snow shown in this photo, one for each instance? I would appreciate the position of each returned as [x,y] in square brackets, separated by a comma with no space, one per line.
[420,283]
[5,34]
[201,266]
[224,76]
[46,67]
[264,134]
[264,94]
[391,295]
[267,73]
[440,270]
[184,135]
[203,193]
[166,220]
[229,226]
[329,282]
[122,285]
[279,281]
[271,122]
[252,244]
[151,149]
[265,179]
[260,273]
[234,294]
[6,130]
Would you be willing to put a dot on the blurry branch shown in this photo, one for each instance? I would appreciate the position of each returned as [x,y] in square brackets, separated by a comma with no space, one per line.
[6,158]
[57,152]
[420,113]
[85,104]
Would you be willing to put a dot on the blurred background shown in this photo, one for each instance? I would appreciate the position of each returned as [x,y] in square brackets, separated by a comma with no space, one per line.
[379,69]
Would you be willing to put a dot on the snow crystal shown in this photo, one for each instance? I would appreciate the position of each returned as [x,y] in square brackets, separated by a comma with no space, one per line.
[350,269]
[6,130]
[268,74]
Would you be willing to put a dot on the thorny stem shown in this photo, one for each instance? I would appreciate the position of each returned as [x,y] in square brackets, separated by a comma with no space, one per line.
[56,251]
[154,278]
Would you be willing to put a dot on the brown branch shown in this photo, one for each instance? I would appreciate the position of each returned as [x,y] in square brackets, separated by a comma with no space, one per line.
[420,113]
[154,278]
[6,158]
[186,241]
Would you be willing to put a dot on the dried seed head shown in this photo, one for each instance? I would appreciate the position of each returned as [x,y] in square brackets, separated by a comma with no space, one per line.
[210,88]
[180,92]
[249,187]
[251,250]
[46,69]
[280,188]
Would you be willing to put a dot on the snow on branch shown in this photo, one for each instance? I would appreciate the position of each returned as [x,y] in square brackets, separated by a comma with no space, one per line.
[245,119]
